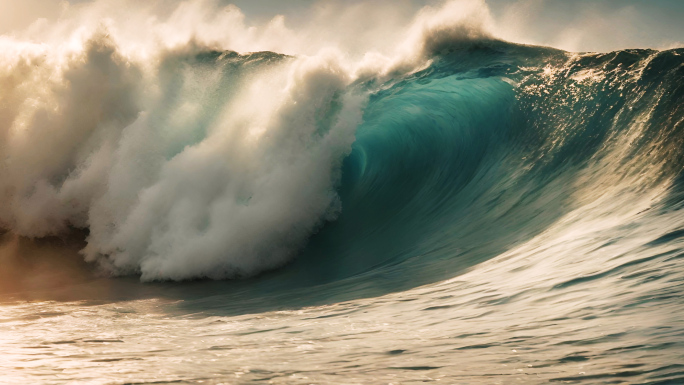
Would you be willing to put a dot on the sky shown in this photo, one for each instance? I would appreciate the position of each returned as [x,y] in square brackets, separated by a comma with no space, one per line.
[593,25]
[577,25]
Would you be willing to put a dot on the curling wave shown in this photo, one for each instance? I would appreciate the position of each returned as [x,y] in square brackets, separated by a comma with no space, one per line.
[496,147]
[206,163]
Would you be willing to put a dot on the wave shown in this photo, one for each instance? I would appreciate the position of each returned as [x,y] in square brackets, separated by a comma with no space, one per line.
[495,146]
[201,162]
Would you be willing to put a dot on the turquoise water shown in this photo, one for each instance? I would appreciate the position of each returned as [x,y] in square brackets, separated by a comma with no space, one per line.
[509,214]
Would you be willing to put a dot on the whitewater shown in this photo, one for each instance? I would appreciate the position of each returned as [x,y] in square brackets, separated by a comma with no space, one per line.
[191,198]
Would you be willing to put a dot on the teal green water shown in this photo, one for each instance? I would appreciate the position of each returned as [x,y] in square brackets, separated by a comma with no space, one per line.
[509,214]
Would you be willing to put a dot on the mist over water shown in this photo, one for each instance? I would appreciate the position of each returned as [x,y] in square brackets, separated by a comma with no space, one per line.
[419,201]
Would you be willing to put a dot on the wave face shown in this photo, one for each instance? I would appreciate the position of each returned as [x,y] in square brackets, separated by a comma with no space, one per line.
[495,145]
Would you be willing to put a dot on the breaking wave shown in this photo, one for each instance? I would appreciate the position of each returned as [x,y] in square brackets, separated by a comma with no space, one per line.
[185,159]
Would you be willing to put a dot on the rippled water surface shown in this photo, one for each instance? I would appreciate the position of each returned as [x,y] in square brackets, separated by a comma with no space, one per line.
[541,312]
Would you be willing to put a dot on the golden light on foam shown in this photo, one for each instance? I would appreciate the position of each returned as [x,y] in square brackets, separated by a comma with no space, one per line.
[255,133]
[258,106]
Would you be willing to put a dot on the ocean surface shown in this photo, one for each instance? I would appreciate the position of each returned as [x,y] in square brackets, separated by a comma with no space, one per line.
[504,214]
